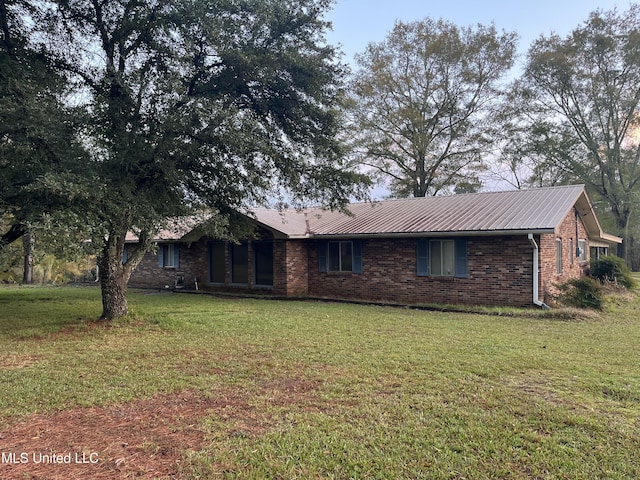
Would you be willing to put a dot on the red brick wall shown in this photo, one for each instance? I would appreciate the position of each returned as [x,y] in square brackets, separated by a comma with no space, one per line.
[499,271]
[291,262]
[547,243]
[193,264]
[499,274]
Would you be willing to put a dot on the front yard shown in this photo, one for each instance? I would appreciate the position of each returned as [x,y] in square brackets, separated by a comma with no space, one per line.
[195,386]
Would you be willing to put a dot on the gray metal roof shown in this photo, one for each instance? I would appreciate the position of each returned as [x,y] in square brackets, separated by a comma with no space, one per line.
[177,229]
[538,210]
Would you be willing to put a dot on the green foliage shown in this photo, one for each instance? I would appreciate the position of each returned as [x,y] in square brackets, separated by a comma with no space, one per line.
[41,162]
[59,253]
[612,269]
[421,104]
[11,258]
[575,111]
[182,107]
[582,292]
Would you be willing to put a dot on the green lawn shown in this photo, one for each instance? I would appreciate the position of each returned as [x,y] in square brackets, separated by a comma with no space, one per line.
[343,391]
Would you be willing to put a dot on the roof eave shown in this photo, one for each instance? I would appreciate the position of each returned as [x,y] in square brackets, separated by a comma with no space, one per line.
[606,239]
[591,223]
[465,233]
[277,234]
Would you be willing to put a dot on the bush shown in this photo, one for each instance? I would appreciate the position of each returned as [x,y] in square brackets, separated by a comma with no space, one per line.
[612,269]
[582,292]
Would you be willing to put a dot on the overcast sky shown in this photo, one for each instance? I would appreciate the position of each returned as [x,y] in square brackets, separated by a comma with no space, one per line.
[359,22]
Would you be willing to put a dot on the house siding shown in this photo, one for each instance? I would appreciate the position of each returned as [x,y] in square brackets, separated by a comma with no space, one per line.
[566,233]
[192,264]
[291,263]
[499,273]
[499,270]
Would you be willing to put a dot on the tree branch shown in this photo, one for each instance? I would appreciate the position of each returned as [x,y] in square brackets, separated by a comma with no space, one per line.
[16,231]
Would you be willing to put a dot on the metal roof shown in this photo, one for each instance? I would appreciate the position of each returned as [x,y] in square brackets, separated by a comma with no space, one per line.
[538,210]
[486,212]
[177,229]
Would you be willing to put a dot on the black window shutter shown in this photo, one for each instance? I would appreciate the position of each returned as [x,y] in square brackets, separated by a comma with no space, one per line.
[357,256]
[322,256]
[461,267]
[423,257]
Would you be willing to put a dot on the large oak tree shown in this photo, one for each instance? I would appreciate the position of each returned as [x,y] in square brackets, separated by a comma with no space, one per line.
[196,104]
[578,106]
[422,104]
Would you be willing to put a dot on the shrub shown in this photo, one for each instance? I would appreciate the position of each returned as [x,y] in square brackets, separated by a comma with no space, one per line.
[612,269]
[582,292]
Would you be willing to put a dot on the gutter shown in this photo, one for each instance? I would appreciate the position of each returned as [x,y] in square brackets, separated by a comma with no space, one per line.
[421,234]
[536,274]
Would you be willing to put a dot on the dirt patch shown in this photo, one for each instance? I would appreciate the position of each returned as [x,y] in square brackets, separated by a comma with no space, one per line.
[540,388]
[137,439]
[144,439]
[542,392]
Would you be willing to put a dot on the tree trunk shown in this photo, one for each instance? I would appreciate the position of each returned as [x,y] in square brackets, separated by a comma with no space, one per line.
[632,253]
[113,285]
[114,274]
[622,224]
[28,244]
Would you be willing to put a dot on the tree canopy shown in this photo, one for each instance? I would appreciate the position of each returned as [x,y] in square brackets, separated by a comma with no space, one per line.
[185,105]
[422,103]
[578,110]
[39,153]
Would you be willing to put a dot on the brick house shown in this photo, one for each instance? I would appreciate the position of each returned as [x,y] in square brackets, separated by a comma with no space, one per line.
[499,248]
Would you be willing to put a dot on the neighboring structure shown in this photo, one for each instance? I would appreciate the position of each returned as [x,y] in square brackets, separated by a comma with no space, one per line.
[501,248]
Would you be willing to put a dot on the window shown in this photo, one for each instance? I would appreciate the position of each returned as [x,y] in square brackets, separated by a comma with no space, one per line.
[597,252]
[168,255]
[582,245]
[442,257]
[216,262]
[340,256]
[263,263]
[239,263]
[238,266]
[559,256]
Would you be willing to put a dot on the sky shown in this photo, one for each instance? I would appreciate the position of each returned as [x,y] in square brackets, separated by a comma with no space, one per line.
[356,23]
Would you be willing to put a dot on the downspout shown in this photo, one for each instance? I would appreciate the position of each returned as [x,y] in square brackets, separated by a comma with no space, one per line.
[536,274]
[577,252]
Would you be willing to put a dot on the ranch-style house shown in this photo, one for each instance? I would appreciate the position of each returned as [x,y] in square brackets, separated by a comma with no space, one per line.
[499,248]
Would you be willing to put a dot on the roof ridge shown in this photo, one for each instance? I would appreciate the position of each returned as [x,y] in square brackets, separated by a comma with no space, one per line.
[458,195]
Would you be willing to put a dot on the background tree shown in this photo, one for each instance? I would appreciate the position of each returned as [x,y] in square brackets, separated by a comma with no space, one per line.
[422,101]
[527,156]
[578,110]
[55,249]
[192,105]
[38,151]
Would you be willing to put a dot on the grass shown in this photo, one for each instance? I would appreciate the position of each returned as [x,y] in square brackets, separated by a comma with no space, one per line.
[333,390]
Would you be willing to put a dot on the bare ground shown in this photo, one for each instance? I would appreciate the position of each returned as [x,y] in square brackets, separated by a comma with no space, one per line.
[144,439]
